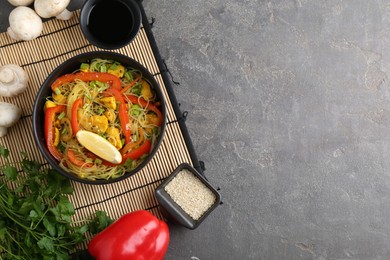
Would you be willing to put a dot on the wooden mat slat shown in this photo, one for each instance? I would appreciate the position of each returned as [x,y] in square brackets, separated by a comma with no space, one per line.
[60,41]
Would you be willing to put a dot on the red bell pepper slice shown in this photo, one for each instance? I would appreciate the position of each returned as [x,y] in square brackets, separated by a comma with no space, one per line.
[50,115]
[131,145]
[147,105]
[135,235]
[88,76]
[74,121]
[123,114]
[135,154]
[76,161]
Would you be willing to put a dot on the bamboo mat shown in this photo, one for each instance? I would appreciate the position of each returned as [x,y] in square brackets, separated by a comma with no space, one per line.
[60,41]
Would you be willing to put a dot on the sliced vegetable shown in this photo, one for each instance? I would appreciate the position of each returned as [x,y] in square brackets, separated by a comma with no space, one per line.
[76,161]
[131,145]
[50,117]
[84,67]
[74,121]
[88,76]
[136,153]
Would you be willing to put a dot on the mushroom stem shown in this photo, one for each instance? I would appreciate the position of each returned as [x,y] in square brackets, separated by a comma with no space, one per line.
[3,131]
[9,116]
[6,75]
[65,15]
[12,34]
[13,80]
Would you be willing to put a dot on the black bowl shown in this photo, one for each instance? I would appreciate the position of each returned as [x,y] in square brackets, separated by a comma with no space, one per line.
[70,66]
[110,24]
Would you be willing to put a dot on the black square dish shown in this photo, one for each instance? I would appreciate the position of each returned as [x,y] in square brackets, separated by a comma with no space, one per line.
[187,197]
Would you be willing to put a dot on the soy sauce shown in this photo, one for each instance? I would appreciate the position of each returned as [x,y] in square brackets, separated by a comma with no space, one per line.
[110,21]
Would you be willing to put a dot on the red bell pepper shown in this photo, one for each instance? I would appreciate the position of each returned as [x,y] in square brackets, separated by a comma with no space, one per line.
[134,154]
[135,235]
[138,152]
[147,105]
[131,145]
[76,161]
[123,114]
[74,121]
[88,76]
[50,115]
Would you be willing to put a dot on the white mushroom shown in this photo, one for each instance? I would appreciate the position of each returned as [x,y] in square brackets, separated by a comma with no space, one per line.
[20,2]
[24,24]
[51,8]
[9,115]
[13,80]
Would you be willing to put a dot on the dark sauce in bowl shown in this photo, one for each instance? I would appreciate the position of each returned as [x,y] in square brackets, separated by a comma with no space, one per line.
[110,21]
[110,24]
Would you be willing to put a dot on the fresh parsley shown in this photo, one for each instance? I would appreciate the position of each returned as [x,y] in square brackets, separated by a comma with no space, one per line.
[36,214]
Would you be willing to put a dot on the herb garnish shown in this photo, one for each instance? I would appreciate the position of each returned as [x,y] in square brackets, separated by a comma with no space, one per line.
[36,214]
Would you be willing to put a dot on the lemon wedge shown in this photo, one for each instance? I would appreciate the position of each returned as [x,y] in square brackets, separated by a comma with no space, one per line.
[99,146]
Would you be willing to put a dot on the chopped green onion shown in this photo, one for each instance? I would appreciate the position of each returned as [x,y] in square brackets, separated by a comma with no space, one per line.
[136,89]
[88,96]
[128,76]
[61,147]
[100,111]
[92,84]
[61,115]
[135,110]
[57,91]
[103,68]
[84,66]
[100,84]
[88,160]
[144,156]
[113,66]
[98,161]
[129,163]
[64,131]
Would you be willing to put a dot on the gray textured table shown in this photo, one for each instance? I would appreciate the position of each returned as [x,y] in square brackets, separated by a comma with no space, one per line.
[289,109]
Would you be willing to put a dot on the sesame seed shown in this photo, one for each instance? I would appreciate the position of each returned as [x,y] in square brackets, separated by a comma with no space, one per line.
[190,193]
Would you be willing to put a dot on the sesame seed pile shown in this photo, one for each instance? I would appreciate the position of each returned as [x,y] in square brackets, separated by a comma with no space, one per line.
[190,193]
